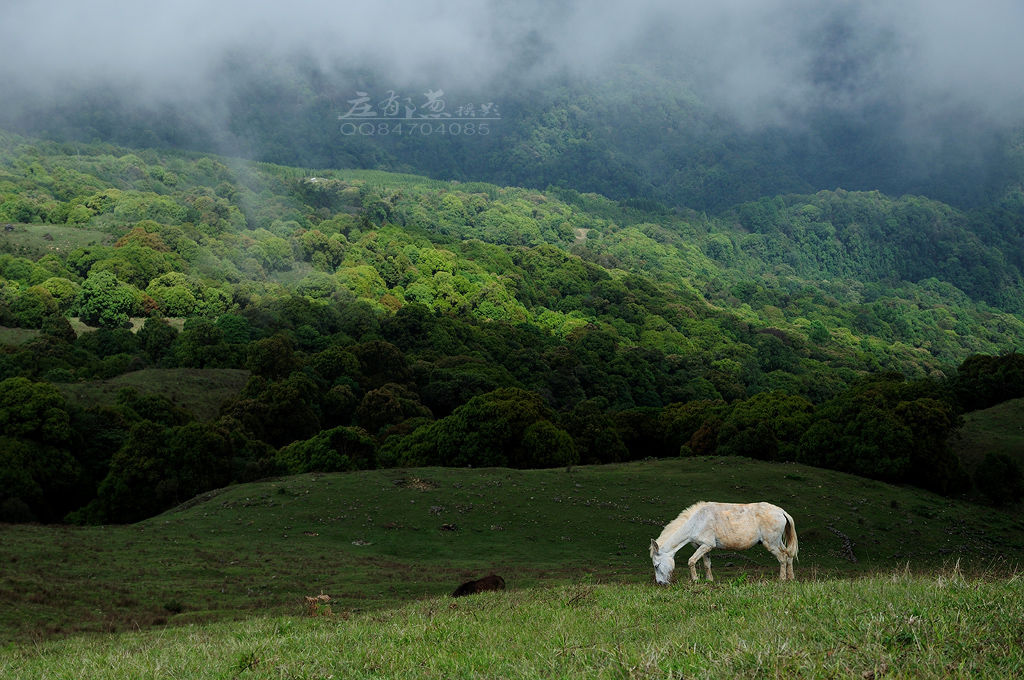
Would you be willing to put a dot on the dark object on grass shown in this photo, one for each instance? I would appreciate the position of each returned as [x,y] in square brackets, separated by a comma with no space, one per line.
[492,582]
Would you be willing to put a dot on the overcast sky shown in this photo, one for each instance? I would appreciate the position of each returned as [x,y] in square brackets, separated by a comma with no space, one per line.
[765,61]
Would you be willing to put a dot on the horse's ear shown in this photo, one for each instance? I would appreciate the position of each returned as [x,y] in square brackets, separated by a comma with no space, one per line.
[654,547]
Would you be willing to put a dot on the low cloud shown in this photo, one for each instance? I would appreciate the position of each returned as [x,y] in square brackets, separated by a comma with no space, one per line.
[765,62]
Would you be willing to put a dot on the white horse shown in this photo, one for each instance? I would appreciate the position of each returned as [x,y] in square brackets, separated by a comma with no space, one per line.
[733,526]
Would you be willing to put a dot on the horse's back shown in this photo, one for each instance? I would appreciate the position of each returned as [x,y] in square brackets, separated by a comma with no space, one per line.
[742,525]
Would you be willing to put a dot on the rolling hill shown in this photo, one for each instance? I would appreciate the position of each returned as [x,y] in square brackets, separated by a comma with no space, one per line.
[375,539]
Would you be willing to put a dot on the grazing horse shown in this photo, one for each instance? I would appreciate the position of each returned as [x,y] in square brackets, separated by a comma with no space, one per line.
[733,526]
[492,582]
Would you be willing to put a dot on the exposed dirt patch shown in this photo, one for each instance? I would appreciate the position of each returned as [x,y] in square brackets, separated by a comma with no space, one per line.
[417,483]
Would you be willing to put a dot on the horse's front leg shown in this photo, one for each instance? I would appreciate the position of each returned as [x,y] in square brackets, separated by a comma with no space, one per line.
[707,568]
[698,554]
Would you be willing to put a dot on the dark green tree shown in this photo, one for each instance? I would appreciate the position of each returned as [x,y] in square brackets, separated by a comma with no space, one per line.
[336,450]
[489,430]
[105,301]
[40,473]
[389,404]
[272,357]
[156,338]
[594,433]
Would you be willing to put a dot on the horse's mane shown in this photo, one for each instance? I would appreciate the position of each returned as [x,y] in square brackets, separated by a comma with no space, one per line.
[675,524]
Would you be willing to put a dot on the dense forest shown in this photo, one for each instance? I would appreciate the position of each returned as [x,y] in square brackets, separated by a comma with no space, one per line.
[388,319]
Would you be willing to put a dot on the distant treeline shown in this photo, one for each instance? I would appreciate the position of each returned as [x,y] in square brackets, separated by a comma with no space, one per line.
[378,400]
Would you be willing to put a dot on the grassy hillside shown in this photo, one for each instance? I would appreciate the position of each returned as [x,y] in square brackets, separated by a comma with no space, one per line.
[37,240]
[991,431]
[372,540]
[199,391]
[999,429]
[16,336]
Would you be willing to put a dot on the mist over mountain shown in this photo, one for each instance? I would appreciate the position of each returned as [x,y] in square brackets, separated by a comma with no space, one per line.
[696,106]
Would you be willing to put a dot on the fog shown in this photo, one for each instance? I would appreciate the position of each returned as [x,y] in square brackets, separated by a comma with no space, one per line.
[762,60]
[928,87]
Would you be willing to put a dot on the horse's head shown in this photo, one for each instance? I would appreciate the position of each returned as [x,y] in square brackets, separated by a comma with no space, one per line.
[664,564]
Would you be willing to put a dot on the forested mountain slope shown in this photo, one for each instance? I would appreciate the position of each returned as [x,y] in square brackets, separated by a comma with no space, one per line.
[391,319]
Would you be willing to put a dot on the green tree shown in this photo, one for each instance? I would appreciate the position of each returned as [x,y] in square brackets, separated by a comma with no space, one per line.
[389,404]
[201,344]
[983,380]
[339,449]
[40,475]
[278,412]
[62,290]
[489,430]
[272,357]
[236,329]
[32,306]
[381,362]
[594,433]
[767,426]
[335,364]
[885,428]
[546,445]
[174,293]
[105,301]
[159,467]
[156,338]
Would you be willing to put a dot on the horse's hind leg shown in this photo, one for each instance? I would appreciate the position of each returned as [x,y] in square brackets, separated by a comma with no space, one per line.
[699,553]
[784,560]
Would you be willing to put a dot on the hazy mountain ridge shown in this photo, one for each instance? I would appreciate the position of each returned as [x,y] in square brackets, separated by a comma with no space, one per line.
[630,133]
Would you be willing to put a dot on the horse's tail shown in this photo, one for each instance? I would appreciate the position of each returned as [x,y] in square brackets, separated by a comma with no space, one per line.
[789,540]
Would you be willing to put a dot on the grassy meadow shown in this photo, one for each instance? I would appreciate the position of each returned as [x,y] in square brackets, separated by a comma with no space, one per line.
[888,625]
[999,429]
[893,581]
[199,391]
[36,240]
[16,336]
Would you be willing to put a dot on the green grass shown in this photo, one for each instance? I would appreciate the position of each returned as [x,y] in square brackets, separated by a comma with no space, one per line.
[200,391]
[16,336]
[885,625]
[136,323]
[36,240]
[999,429]
[375,540]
